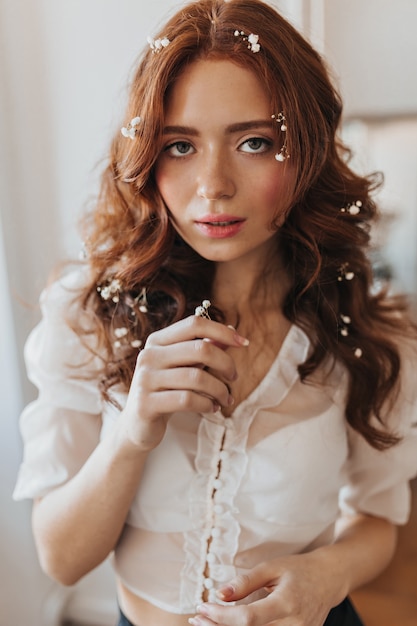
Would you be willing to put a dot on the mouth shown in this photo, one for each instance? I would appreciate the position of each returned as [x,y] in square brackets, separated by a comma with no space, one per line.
[225,223]
[220,220]
[220,226]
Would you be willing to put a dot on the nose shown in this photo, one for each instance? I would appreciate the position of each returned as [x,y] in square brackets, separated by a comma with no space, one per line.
[215,180]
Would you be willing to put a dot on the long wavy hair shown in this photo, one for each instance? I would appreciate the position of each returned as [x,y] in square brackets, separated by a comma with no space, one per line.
[132,244]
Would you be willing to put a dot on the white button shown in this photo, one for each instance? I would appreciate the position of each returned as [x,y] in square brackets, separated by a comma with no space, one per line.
[218,509]
[215,532]
[211,557]
[208,583]
[212,595]
[217,484]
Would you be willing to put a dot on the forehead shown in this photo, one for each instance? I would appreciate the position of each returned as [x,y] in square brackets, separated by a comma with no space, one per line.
[217,88]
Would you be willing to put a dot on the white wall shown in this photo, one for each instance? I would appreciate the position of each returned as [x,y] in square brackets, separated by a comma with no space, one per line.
[63,70]
[373,48]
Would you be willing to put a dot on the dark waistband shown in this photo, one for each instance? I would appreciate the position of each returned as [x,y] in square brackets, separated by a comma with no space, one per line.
[342,615]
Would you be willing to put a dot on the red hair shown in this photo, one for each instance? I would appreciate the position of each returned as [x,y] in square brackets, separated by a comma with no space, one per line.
[130,237]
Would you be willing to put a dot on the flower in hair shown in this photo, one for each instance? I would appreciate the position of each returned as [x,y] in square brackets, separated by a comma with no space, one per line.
[354,208]
[280,118]
[156,45]
[132,128]
[345,273]
[344,328]
[121,332]
[110,291]
[252,39]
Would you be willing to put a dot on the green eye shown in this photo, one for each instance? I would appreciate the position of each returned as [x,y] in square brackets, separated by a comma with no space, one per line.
[179,148]
[255,145]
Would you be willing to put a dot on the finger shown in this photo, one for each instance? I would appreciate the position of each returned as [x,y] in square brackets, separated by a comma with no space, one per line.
[194,327]
[240,587]
[196,380]
[188,353]
[167,402]
[263,612]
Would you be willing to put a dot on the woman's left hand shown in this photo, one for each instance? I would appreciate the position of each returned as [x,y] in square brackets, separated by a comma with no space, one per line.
[301,593]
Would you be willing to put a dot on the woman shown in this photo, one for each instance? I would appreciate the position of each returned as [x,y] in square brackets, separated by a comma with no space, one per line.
[224,400]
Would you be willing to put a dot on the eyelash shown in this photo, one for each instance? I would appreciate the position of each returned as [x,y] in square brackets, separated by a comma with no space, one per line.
[168,149]
[265,145]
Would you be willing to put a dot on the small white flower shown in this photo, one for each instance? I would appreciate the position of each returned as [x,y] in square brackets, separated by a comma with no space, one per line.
[254,42]
[355,208]
[252,39]
[120,332]
[136,343]
[358,353]
[352,209]
[157,44]
[110,291]
[131,129]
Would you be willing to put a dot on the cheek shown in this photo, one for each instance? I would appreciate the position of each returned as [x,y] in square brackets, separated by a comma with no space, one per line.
[162,183]
[276,193]
[172,188]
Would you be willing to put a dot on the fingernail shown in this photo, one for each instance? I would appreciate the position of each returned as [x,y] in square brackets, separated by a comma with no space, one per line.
[242,341]
[230,400]
[225,593]
[203,610]
[216,407]
[194,621]
[231,327]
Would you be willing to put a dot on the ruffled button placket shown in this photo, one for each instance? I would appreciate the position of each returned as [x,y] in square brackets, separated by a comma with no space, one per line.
[210,548]
[215,571]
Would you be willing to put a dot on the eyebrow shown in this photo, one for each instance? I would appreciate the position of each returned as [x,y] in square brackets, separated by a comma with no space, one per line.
[233,128]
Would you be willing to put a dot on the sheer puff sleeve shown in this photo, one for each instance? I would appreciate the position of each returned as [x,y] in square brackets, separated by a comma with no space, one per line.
[62,427]
[378,481]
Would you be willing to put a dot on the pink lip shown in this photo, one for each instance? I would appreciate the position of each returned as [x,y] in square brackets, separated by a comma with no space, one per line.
[220,226]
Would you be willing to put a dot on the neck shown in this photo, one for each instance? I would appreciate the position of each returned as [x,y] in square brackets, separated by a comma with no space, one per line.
[246,292]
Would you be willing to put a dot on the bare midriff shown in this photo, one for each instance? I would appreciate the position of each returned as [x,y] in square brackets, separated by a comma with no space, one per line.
[143,613]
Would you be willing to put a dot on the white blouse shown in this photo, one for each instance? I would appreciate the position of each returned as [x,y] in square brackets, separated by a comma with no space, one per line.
[218,495]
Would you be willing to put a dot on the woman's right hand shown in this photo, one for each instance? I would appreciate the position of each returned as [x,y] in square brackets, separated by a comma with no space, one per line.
[184,367]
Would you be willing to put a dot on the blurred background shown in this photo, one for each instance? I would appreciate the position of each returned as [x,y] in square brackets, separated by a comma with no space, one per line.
[64,67]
